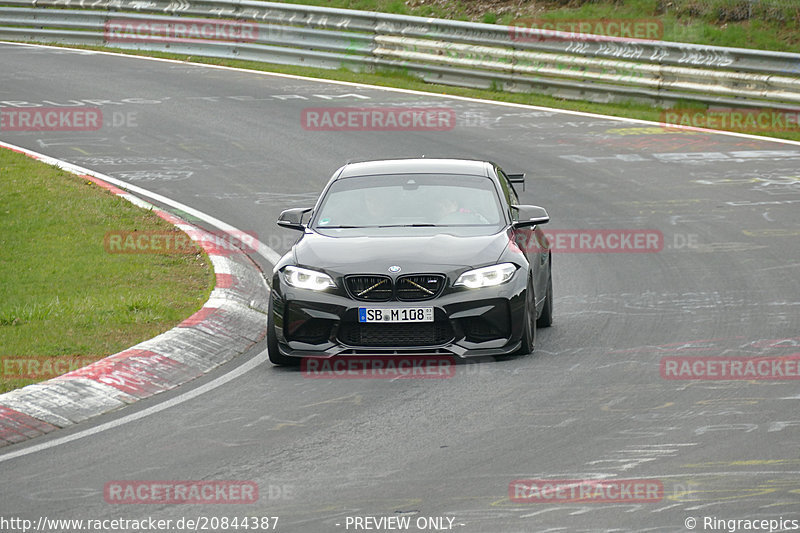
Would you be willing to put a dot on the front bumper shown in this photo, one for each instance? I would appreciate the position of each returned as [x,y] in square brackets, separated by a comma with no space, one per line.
[467,323]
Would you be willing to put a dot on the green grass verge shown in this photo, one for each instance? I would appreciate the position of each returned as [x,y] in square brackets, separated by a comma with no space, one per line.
[763,24]
[66,301]
[401,80]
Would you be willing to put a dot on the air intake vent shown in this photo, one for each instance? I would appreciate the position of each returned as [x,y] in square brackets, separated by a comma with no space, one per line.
[398,335]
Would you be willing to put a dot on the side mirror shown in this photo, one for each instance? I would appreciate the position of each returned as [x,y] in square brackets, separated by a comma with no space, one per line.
[529,215]
[293,218]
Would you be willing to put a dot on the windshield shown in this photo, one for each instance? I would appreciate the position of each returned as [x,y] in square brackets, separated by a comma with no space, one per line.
[410,201]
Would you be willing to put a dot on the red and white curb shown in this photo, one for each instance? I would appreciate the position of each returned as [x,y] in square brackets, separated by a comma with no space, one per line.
[231,321]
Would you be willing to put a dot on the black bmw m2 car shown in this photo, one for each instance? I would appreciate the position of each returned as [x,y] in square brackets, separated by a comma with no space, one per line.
[413,257]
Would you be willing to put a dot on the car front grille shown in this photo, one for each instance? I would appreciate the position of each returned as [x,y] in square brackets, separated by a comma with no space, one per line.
[410,288]
[396,334]
[369,288]
[419,287]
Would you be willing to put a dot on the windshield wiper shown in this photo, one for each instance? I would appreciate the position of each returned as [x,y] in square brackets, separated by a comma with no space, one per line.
[340,227]
[420,225]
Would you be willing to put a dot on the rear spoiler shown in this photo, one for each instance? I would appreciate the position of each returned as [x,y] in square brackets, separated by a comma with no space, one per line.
[517,178]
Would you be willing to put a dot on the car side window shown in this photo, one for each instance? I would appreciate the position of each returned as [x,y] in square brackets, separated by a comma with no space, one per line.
[508,189]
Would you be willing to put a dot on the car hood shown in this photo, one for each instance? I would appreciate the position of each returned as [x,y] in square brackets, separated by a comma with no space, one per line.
[413,251]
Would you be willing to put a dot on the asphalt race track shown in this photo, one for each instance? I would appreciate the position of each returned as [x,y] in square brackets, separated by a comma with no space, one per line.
[592,403]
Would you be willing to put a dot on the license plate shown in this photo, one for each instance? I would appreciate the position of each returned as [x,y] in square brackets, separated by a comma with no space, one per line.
[397,314]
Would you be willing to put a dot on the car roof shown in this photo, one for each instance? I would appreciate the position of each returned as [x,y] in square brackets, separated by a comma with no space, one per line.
[468,167]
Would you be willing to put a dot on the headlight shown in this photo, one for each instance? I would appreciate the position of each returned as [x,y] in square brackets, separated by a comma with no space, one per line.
[303,278]
[486,276]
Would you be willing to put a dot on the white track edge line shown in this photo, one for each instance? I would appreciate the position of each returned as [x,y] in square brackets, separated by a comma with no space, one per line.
[211,385]
[255,361]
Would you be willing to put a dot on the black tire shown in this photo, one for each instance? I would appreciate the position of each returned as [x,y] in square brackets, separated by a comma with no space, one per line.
[529,325]
[275,355]
[545,320]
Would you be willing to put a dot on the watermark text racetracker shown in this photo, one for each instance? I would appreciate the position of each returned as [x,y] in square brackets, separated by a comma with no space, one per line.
[785,367]
[180,492]
[62,119]
[39,367]
[379,367]
[536,29]
[378,119]
[51,119]
[743,119]
[180,30]
[586,491]
[177,242]
[593,240]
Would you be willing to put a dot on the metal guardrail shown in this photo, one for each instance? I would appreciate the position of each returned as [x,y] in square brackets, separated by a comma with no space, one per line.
[443,51]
